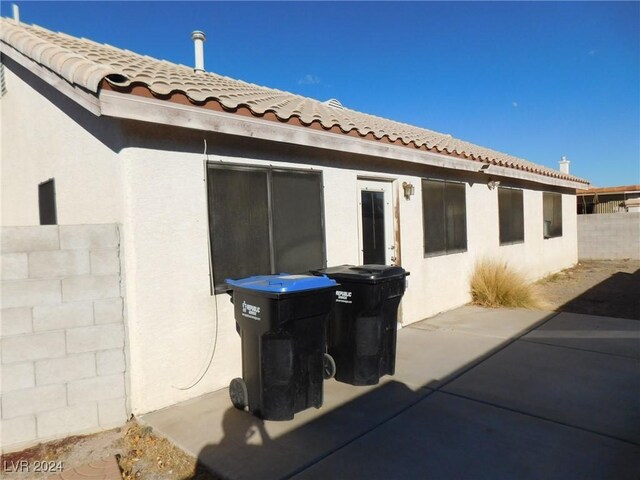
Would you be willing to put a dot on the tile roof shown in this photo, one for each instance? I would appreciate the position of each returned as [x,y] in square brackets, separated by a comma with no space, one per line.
[88,64]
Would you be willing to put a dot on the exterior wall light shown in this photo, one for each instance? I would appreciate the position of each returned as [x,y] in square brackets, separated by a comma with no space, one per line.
[493,184]
[409,190]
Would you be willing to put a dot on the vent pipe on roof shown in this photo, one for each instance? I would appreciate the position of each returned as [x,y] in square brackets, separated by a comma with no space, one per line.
[16,12]
[198,38]
[564,165]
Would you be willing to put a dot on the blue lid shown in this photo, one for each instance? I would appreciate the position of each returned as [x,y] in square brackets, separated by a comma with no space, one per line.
[283,283]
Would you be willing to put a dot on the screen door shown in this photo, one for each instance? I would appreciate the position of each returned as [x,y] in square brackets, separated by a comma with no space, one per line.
[375,219]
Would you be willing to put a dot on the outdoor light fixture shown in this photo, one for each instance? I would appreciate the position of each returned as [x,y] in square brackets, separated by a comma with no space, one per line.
[409,190]
[493,184]
[484,167]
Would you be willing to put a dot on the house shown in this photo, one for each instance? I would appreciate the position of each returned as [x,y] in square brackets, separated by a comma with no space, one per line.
[206,178]
[625,198]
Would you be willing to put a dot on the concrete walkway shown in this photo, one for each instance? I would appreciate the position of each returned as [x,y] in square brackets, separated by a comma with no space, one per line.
[477,394]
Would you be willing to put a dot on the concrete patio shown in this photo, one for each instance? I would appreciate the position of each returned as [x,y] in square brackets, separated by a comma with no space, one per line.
[477,393]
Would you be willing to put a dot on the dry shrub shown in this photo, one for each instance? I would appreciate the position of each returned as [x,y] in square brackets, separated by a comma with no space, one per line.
[495,284]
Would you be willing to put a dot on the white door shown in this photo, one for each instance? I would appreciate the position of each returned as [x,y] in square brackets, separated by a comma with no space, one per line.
[375,222]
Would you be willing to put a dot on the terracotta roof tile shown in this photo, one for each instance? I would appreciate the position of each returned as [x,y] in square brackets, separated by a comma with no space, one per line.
[86,63]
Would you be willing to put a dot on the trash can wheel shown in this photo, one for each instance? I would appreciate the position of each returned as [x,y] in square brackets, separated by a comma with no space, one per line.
[238,393]
[329,366]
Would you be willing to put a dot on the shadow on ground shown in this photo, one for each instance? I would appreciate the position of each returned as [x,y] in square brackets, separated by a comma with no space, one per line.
[248,451]
[539,405]
[617,296]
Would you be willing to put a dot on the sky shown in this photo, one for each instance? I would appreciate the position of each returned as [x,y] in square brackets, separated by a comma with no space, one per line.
[536,80]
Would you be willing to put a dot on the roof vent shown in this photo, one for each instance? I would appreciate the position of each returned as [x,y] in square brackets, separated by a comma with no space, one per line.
[16,13]
[564,165]
[333,103]
[198,38]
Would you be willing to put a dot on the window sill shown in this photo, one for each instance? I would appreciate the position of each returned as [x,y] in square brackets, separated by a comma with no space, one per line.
[515,242]
[442,254]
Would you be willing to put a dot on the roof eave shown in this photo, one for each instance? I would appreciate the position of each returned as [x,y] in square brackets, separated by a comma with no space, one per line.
[76,93]
[134,107]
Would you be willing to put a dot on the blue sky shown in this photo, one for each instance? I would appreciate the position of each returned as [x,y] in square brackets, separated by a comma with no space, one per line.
[535,80]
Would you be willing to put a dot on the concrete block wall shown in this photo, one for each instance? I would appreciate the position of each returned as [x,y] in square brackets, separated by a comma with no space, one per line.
[609,236]
[62,333]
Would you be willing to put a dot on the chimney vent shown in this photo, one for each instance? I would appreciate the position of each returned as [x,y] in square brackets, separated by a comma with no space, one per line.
[198,38]
[564,165]
[16,13]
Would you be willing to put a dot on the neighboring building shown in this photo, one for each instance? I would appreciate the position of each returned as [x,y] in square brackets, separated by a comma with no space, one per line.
[609,235]
[210,178]
[609,199]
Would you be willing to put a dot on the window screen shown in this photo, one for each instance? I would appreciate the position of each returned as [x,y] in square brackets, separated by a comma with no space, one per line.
[298,232]
[239,223]
[264,221]
[552,214]
[444,216]
[511,215]
[47,203]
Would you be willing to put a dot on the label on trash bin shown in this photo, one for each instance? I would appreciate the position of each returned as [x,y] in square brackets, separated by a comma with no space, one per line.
[343,297]
[250,311]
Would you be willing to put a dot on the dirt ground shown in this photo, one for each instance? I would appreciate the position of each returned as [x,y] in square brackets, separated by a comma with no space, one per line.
[608,288]
[141,455]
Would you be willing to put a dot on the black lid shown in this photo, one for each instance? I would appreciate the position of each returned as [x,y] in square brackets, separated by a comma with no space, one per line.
[363,273]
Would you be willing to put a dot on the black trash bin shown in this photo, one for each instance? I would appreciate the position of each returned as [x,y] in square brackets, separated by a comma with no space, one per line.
[281,320]
[362,329]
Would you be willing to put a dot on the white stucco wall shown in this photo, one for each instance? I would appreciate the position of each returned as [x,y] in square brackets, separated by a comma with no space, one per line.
[159,198]
[441,282]
[172,315]
[40,141]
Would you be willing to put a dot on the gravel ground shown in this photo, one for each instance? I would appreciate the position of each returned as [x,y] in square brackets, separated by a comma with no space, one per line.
[608,288]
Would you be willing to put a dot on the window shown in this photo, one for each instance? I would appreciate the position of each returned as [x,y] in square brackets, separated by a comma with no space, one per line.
[47,202]
[374,249]
[552,214]
[444,217]
[511,215]
[263,221]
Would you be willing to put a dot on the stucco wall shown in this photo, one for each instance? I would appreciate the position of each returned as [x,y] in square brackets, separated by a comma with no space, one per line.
[41,137]
[167,260]
[150,180]
[62,332]
[440,283]
[609,236]
[168,283]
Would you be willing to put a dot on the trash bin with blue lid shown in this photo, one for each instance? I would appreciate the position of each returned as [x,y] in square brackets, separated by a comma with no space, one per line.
[281,320]
[362,329]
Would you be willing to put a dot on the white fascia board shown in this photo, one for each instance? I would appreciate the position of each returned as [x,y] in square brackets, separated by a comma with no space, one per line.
[87,100]
[145,109]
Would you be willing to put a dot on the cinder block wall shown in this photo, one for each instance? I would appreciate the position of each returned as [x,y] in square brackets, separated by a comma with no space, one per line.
[62,332]
[609,236]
